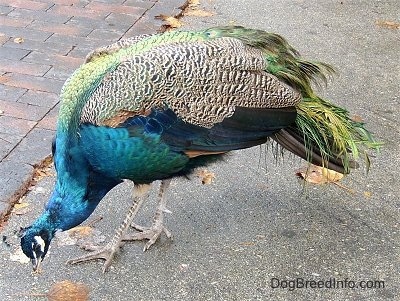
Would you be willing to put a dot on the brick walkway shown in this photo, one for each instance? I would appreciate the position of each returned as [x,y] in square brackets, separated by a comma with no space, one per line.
[41,43]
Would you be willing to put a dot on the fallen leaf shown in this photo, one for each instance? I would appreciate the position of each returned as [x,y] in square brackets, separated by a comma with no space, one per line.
[64,291]
[80,231]
[193,3]
[21,208]
[198,13]
[318,175]
[206,176]
[367,194]
[356,118]
[171,21]
[44,171]
[81,235]
[247,243]
[388,24]
[20,205]
[18,40]
[67,290]
[72,236]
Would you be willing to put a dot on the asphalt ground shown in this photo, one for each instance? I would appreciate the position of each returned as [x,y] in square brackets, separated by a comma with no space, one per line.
[255,227]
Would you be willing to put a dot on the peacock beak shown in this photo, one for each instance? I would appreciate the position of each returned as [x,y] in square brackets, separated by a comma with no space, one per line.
[36,264]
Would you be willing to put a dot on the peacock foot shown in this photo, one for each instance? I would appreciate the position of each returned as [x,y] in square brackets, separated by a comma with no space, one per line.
[106,253]
[150,233]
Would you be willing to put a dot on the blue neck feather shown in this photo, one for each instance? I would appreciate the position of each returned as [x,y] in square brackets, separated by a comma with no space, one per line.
[78,189]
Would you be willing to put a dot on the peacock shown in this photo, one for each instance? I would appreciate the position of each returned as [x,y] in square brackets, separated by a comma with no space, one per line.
[156,107]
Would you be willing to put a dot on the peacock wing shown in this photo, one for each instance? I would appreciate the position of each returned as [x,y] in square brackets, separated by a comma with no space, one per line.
[201,82]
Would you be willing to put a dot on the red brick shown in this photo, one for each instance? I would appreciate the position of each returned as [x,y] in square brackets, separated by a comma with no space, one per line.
[58,47]
[59,72]
[115,8]
[15,126]
[3,38]
[25,33]
[143,26]
[14,22]
[81,51]
[38,98]
[72,40]
[107,35]
[22,110]
[31,82]
[65,2]
[33,148]
[13,53]
[64,29]
[49,122]
[139,3]
[4,10]
[23,67]
[45,16]
[11,93]
[28,4]
[53,59]
[7,143]
[78,11]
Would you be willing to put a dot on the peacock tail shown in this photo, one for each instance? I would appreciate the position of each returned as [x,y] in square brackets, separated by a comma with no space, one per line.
[204,77]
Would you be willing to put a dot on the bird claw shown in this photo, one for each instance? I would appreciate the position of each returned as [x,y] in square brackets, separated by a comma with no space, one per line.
[150,233]
[106,253]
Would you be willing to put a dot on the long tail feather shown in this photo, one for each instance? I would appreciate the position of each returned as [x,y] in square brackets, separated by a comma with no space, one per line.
[324,133]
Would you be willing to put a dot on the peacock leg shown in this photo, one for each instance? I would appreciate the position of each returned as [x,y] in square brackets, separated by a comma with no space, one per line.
[154,231]
[108,251]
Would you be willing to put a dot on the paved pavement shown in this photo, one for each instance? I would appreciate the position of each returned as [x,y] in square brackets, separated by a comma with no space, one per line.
[232,237]
[41,43]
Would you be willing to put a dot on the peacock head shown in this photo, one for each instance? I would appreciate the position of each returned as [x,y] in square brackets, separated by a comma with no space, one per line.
[35,243]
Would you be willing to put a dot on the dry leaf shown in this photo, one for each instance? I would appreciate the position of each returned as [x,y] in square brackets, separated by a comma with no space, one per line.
[367,194]
[171,21]
[81,236]
[80,231]
[67,290]
[206,176]
[193,3]
[18,206]
[247,243]
[198,13]
[388,24]
[43,172]
[21,208]
[356,118]
[318,175]
[18,40]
